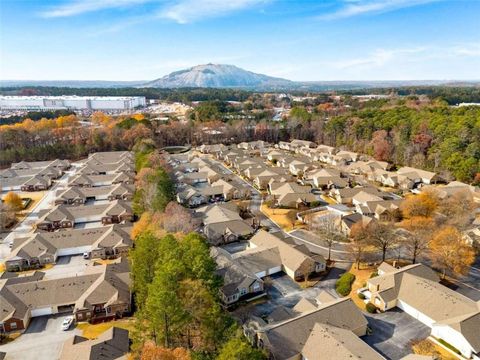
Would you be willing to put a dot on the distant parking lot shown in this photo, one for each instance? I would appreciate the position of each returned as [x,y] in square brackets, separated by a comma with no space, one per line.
[43,340]
[393,332]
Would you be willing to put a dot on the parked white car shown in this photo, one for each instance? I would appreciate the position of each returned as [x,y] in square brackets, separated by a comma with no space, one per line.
[67,322]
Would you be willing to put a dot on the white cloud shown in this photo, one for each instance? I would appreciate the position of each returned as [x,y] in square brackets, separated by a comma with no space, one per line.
[186,11]
[352,8]
[378,58]
[180,11]
[78,7]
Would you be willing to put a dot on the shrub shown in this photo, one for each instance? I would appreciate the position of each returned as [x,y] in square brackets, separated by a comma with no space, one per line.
[374,274]
[362,296]
[372,309]
[344,284]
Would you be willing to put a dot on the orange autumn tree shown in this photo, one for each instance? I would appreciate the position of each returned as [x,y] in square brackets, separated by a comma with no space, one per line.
[423,204]
[13,201]
[450,252]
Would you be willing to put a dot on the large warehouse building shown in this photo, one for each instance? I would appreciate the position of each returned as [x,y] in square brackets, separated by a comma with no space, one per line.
[71,102]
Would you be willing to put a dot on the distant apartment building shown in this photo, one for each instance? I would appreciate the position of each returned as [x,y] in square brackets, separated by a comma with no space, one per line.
[71,102]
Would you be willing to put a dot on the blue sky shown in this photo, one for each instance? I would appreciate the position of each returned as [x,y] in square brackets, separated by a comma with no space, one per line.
[298,40]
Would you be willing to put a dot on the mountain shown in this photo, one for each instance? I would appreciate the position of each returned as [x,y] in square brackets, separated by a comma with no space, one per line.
[218,76]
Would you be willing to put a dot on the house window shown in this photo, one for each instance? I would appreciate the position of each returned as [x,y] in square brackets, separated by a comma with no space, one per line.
[13,325]
[109,309]
[80,316]
[89,314]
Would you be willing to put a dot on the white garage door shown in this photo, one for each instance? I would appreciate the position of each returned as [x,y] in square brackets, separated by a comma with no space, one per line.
[415,313]
[274,270]
[261,274]
[42,311]
[73,251]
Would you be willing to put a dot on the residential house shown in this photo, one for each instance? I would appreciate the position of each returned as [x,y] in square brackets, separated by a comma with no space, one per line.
[294,144]
[101,293]
[382,210]
[291,194]
[110,157]
[26,183]
[25,165]
[348,156]
[345,196]
[347,222]
[101,180]
[298,167]
[223,224]
[416,290]
[282,255]
[274,155]
[191,197]
[48,172]
[267,176]
[93,168]
[81,195]
[420,176]
[326,178]
[43,248]
[321,330]
[67,216]
[239,282]
[212,149]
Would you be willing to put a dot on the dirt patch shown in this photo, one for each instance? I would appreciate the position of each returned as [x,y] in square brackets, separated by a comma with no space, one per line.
[36,196]
[91,331]
[361,277]
[428,348]
[281,217]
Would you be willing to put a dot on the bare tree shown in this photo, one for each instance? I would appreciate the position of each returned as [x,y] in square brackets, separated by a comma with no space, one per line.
[419,233]
[380,235]
[358,243]
[326,227]
[178,219]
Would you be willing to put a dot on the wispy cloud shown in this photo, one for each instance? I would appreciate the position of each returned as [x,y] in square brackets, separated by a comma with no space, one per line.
[377,58]
[78,7]
[386,57]
[186,11]
[180,11]
[350,8]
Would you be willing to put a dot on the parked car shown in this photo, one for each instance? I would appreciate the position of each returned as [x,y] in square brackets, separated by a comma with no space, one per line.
[86,255]
[67,322]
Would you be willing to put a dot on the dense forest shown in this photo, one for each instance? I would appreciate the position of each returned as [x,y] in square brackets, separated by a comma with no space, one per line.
[453,95]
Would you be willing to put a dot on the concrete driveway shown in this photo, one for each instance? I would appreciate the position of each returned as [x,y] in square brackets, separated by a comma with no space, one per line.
[67,266]
[43,340]
[393,332]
